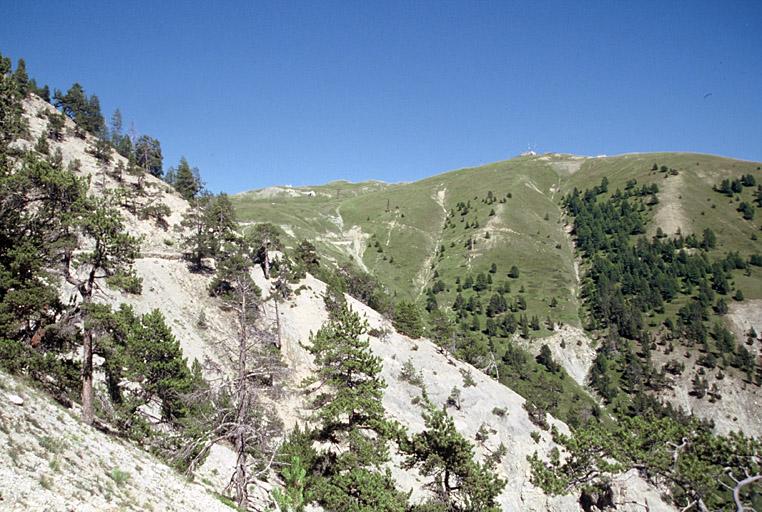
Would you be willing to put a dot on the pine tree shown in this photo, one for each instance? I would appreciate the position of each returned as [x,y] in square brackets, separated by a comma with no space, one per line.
[141,350]
[116,126]
[156,362]
[292,498]
[545,358]
[56,124]
[113,251]
[148,155]
[21,78]
[11,120]
[306,253]
[350,414]
[185,181]
[407,319]
[209,221]
[524,325]
[38,202]
[42,146]
[441,453]
[84,110]
[43,92]
[264,238]
[101,149]
[91,120]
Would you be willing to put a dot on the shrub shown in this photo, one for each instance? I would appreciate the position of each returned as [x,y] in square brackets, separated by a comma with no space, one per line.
[407,319]
[468,378]
[118,476]
[128,282]
[411,375]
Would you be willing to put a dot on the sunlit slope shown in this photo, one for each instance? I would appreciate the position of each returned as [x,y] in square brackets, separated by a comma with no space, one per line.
[402,228]
[687,200]
[397,232]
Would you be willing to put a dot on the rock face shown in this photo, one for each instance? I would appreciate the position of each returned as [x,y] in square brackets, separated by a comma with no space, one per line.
[55,463]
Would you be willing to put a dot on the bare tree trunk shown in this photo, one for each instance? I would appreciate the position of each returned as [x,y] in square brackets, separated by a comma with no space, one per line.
[277,323]
[241,476]
[86,291]
[87,378]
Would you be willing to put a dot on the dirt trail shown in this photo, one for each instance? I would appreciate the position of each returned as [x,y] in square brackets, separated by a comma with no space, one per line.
[424,275]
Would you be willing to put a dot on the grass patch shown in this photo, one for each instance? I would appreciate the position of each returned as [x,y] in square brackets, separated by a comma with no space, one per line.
[119,476]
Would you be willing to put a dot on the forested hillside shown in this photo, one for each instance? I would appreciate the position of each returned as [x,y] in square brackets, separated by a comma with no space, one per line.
[545,333]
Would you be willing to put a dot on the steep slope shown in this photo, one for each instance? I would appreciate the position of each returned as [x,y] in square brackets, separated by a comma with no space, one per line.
[51,461]
[404,228]
[484,403]
[181,295]
[415,235]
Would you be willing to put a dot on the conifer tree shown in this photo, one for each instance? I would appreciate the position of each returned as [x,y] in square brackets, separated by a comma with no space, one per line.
[407,319]
[148,155]
[351,420]
[37,203]
[84,110]
[440,452]
[264,238]
[21,78]
[42,146]
[10,108]
[209,221]
[56,124]
[141,350]
[306,253]
[185,181]
[113,251]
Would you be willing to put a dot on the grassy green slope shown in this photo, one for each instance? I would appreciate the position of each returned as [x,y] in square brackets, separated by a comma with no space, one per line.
[399,244]
[410,232]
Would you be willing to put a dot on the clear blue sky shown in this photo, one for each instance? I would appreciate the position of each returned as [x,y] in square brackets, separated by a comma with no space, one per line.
[260,93]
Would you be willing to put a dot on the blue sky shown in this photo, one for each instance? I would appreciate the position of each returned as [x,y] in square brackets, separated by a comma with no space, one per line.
[263,93]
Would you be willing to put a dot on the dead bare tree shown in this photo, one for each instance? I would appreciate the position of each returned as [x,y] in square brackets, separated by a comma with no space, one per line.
[246,381]
[740,483]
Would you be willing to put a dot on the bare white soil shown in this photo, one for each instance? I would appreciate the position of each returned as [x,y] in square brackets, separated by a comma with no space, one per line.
[50,461]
